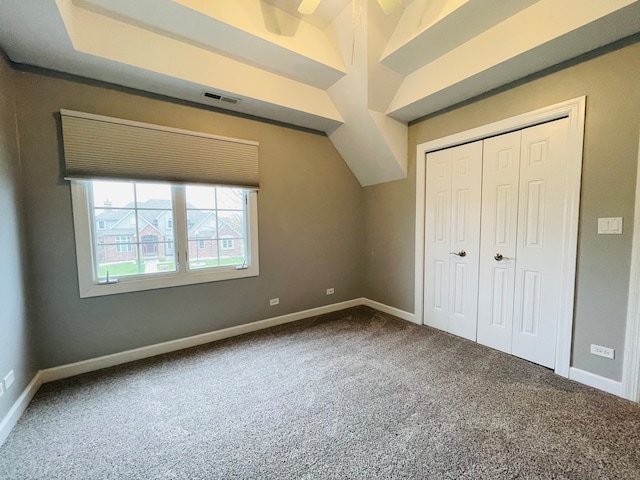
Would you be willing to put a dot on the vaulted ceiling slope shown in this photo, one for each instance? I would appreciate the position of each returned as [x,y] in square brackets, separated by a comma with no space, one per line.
[348,70]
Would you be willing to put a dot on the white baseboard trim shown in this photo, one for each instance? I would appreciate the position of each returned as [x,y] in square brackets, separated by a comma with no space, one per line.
[596,381]
[93,364]
[18,408]
[396,312]
[98,363]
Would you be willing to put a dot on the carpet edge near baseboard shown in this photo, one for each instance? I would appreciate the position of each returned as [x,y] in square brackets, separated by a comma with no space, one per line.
[18,408]
[98,363]
[69,370]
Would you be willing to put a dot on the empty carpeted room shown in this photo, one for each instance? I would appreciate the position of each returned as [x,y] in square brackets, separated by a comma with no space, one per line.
[319,239]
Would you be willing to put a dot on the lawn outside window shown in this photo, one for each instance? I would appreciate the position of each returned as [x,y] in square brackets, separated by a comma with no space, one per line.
[133,236]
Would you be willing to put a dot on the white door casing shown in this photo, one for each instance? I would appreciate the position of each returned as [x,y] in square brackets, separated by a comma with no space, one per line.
[501,172]
[574,111]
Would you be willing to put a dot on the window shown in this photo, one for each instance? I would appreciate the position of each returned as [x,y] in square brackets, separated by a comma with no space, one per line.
[161,235]
[150,245]
[123,243]
[158,234]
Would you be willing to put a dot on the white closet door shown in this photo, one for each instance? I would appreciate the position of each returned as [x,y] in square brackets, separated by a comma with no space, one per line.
[466,193]
[437,238]
[539,245]
[452,239]
[501,169]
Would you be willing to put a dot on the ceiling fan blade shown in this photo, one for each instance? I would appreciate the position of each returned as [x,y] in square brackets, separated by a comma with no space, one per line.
[307,7]
[389,6]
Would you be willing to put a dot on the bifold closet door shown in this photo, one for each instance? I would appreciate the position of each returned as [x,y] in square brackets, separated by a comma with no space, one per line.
[543,184]
[452,238]
[500,177]
[523,194]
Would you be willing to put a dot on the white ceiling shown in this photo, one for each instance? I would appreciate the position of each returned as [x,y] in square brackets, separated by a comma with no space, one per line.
[359,76]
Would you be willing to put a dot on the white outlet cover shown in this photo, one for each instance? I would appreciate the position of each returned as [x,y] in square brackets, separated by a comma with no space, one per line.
[9,379]
[602,351]
[274,301]
[330,291]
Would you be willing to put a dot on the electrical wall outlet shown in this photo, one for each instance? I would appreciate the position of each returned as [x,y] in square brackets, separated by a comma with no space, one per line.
[274,301]
[602,351]
[330,291]
[8,380]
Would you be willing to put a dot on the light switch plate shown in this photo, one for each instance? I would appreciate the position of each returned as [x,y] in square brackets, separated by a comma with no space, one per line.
[610,226]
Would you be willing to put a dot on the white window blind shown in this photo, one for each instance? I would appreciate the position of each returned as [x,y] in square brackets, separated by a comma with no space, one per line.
[103,147]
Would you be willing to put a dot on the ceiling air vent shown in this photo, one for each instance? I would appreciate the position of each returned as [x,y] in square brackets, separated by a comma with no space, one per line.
[221,98]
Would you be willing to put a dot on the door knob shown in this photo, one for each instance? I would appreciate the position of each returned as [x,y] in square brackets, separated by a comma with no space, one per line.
[499,257]
[461,253]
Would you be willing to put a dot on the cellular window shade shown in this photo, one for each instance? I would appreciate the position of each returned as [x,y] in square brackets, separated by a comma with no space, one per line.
[104,147]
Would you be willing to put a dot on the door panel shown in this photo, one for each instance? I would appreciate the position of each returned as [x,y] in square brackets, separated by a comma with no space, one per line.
[539,244]
[501,170]
[535,206]
[466,196]
[437,239]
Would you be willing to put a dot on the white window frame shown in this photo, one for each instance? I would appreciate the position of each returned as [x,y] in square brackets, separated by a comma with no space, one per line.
[90,286]
[223,243]
[103,223]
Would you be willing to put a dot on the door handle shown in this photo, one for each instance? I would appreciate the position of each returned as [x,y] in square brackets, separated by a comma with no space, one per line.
[499,257]
[461,253]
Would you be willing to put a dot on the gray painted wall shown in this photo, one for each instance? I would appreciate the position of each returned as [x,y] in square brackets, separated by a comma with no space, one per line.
[610,83]
[310,229]
[15,337]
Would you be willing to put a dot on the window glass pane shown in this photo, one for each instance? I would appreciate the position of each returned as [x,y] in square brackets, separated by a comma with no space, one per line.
[216,226]
[203,253]
[235,255]
[231,233]
[132,235]
[116,248]
[112,194]
[202,197]
[153,195]
[156,236]
[230,198]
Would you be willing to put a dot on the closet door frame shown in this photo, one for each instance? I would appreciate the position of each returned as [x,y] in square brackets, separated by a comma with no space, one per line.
[574,110]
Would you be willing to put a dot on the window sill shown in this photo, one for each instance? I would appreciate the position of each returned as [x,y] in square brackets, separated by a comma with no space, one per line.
[164,280]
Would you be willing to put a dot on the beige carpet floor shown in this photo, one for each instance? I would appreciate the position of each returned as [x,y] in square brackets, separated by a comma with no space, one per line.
[355,394]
